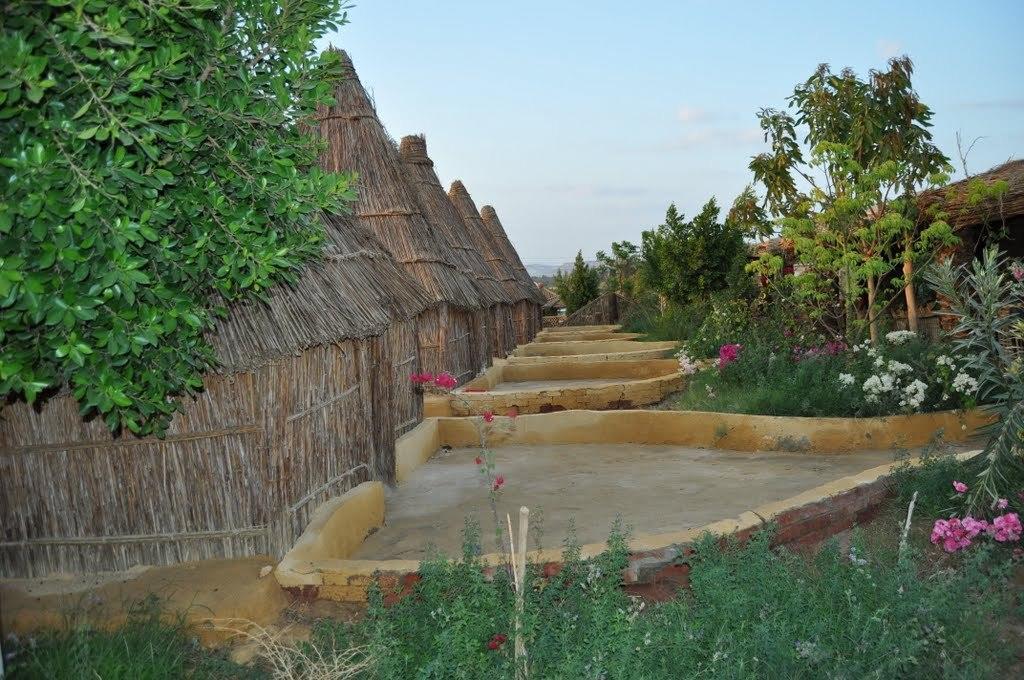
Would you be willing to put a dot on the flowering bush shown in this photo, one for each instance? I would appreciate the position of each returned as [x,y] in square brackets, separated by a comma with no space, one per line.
[728,354]
[803,376]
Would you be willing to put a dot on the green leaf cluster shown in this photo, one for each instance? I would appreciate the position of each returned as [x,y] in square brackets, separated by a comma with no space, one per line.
[688,260]
[155,166]
[579,286]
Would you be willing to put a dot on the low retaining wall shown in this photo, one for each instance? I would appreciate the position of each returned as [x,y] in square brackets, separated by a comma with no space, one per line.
[731,431]
[657,561]
[636,383]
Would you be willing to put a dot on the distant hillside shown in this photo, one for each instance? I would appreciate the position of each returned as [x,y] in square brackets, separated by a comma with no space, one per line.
[545,270]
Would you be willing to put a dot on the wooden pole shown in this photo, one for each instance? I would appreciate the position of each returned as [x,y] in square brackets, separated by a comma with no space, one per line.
[520,569]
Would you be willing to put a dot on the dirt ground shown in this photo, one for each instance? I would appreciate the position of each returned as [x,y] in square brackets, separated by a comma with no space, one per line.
[653,488]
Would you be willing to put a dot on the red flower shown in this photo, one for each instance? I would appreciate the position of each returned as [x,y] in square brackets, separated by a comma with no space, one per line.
[445,380]
[421,378]
[488,416]
[512,412]
[496,642]
[499,482]
[479,460]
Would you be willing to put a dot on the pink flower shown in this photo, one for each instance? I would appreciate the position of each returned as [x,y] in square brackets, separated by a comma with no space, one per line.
[499,482]
[479,460]
[512,412]
[1005,528]
[495,643]
[421,378]
[445,380]
[973,527]
[1017,271]
[1002,503]
[728,354]
[952,534]
[488,416]
[959,487]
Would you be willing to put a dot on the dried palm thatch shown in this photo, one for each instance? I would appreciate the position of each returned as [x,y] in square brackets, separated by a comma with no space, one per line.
[307,404]
[955,199]
[443,216]
[357,141]
[494,253]
[476,326]
[527,316]
[602,310]
[490,219]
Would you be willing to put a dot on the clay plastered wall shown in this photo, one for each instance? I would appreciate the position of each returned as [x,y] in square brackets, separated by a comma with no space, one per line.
[575,347]
[731,431]
[637,384]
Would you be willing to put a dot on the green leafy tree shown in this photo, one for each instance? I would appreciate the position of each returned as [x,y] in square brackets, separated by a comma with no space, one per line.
[849,203]
[620,267]
[579,286]
[154,167]
[686,260]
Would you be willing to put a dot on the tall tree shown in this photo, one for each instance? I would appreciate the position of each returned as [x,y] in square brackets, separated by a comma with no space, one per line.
[620,267]
[579,286]
[849,203]
[684,260]
[154,165]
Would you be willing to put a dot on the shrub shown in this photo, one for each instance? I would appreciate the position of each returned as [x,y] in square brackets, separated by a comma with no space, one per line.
[753,611]
[153,166]
[789,378]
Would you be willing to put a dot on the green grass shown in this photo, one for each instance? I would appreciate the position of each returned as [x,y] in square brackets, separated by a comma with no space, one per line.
[150,646]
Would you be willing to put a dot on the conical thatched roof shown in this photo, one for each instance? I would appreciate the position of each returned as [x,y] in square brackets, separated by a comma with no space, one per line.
[445,219]
[354,290]
[491,221]
[357,142]
[962,212]
[492,252]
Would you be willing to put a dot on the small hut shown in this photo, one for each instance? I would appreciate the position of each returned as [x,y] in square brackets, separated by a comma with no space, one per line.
[387,204]
[445,219]
[505,338]
[527,315]
[302,408]
[980,223]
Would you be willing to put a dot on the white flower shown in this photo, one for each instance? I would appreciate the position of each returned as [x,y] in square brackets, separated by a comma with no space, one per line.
[687,366]
[913,395]
[876,384]
[900,337]
[846,380]
[898,367]
[965,384]
[947,361]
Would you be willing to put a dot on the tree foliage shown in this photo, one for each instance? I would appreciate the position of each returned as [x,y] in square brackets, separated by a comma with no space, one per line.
[685,260]
[619,268]
[848,204]
[579,286]
[154,167]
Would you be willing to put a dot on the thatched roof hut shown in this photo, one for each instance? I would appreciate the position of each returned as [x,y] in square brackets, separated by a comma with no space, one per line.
[494,252]
[979,222]
[285,423]
[498,233]
[357,142]
[527,316]
[443,216]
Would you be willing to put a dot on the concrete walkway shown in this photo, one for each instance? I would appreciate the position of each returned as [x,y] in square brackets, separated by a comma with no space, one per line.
[654,489]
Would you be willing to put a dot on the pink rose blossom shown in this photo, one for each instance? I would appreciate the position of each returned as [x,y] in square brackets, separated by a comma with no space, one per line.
[512,412]
[1002,503]
[488,416]
[499,482]
[959,487]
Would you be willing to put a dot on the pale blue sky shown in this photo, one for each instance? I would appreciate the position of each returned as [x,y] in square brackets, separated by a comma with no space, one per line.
[581,121]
